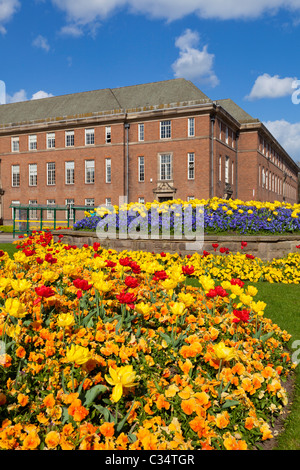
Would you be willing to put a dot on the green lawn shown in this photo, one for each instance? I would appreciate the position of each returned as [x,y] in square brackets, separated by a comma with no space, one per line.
[9,248]
[6,228]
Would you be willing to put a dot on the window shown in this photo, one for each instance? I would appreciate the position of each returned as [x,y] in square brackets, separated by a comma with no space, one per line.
[165,129]
[69,138]
[191,166]
[17,211]
[191,127]
[141,169]
[108,170]
[220,168]
[33,174]
[15,144]
[232,173]
[108,201]
[70,203]
[51,140]
[89,137]
[263,178]
[141,132]
[32,142]
[50,212]
[15,176]
[70,172]
[141,200]
[108,135]
[220,130]
[90,202]
[226,136]
[89,171]
[190,198]
[51,174]
[33,212]
[226,169]
[165,167]
[267,179]
[232,139]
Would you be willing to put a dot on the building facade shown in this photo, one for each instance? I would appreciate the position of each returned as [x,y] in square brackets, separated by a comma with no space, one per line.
[148,142]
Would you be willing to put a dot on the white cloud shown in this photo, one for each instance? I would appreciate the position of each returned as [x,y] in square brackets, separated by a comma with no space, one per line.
[267,86]
[87,11]
[41,94]
[41,42]
[193,63]
[21,95]
[288,135]
[7,9]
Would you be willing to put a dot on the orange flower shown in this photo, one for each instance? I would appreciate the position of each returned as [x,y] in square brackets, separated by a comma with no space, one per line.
[20,352]
[78,411]
[52,439]
[198,424]
[231,443]
[188,406]
[185,366]
[31,441]
[162,403]
[222,420]
[49,401]
[266,431]
[2,399]
[23,399]
[107,429]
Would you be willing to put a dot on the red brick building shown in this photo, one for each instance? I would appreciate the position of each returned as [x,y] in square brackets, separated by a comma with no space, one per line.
[158,141]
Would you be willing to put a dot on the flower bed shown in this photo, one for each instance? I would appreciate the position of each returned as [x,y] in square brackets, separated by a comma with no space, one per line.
[107,350]
[219,215]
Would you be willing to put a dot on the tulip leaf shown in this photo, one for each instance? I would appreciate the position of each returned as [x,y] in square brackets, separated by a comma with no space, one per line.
[264,338]
[230,403]
[93,393]
[121,423]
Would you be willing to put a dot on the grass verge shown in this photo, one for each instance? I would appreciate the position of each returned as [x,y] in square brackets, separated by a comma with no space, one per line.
[9,248]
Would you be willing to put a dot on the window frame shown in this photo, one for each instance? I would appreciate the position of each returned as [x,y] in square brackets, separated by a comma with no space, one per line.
[15,141]
[15,176]
[70,172]
[32,142]
[166,129]
[108,170]
[108,134]
[50,138]
[51,174]
[141,168]
[90,134]
[69,135]
[165,167]
[191,127]
[87,172]
[33,212]
[141,132]
[191,166]
[32,174]
[50,212]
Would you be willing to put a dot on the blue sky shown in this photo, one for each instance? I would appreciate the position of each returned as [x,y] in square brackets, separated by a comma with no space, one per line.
[246,51]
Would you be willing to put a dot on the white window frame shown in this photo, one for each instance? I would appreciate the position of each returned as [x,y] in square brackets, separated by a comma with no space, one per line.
[227,136]
[32,174]
[108,170]
[89,136]
[220,167]
[70,172]
[191,166]
[90,201]
[17,211]
[141,132]
[89,171]
[51,140]
[108,201]
[51,174]
[165,167]
[191,127]
[32,142]
[227,169]
[190,198]
[15,144]
[108,134]
[50,212]
[70,202]
[69,138]
[165,129]
[15,176]
[141,200]
[33,212]
[141,168]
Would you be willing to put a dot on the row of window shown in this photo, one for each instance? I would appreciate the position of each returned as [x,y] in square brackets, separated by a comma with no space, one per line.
[229,135]
[226,170]
[69,173]
[270,181]
[266,149]
[165,133]
[165,171]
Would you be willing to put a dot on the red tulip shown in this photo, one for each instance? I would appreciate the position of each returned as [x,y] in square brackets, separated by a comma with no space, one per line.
[44,291]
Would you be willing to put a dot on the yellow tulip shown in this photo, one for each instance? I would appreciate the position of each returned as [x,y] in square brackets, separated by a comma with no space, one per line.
[78,354]
[121,377]
[224,353]
[49,276]
[103,286]
[207,283]
[15,308]
[178,308]
[20,285]
[251,290]
[258,307]
[187,299]
[4,283]
[142,308]
[65,319]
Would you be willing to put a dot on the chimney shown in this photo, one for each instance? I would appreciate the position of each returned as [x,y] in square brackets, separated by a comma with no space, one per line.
[2,93]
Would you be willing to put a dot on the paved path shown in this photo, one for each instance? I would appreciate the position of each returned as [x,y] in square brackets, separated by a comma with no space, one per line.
[7,237]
